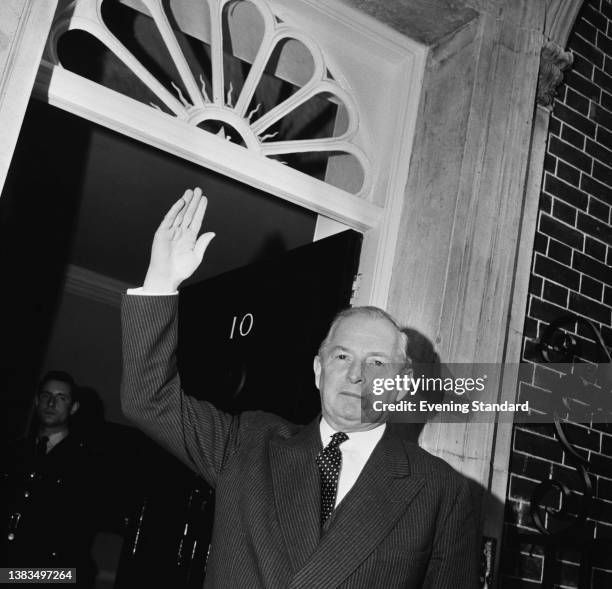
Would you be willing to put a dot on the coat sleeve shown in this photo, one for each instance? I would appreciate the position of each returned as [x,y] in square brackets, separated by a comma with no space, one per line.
[197,433]
[455,556]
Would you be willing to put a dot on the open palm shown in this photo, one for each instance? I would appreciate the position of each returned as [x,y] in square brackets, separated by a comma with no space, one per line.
[177,250]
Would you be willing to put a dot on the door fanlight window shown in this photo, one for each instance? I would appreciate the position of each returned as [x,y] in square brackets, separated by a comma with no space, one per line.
[249,78]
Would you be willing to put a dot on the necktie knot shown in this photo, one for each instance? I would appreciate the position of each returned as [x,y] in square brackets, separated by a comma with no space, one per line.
[336,440]
[329,461]
[41,445]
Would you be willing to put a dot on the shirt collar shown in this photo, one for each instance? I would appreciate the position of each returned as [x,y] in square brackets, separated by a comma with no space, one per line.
[368,438]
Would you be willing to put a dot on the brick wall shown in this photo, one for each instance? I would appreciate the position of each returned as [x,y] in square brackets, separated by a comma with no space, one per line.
[571,271]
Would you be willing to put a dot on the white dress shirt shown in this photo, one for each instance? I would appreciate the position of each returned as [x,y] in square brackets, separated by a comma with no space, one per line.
[141,293]
[355,453]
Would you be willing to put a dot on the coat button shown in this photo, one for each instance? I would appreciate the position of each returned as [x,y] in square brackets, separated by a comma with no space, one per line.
[11,536]
[32,475]
[26,494]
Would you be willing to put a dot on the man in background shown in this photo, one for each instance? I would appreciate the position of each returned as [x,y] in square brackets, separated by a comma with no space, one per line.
[48,487]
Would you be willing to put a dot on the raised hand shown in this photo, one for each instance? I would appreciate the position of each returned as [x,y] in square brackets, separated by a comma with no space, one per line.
[177,250]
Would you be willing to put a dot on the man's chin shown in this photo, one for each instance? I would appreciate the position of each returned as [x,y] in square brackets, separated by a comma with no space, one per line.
[348,417]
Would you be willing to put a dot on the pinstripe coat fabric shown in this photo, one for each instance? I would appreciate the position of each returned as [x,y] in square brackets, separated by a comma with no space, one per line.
[406,523]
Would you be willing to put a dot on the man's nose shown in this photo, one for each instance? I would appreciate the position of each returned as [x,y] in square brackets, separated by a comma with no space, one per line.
[355,372]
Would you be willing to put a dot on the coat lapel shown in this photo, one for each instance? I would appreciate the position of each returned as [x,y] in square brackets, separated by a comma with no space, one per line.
[380,496]
[295,479]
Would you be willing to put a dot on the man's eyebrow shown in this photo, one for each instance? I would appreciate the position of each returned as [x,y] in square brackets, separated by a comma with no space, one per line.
[338,347]
[342,348]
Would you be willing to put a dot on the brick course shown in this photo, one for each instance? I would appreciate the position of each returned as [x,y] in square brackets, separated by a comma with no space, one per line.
[571,272]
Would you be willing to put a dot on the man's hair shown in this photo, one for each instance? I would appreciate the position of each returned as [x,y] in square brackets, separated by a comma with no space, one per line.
[60,376]
[373,313]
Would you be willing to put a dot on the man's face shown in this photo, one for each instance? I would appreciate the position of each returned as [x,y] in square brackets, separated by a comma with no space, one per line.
[360,349]
[54,404]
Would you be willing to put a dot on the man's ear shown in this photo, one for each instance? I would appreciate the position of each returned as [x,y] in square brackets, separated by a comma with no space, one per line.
[405,390]
[316,365]
[74,408]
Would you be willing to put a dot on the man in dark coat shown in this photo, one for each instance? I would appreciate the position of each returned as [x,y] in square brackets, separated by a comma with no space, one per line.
[340,503]
[47,501]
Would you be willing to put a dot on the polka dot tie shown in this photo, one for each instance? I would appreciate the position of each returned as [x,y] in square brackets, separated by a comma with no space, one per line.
[329,461]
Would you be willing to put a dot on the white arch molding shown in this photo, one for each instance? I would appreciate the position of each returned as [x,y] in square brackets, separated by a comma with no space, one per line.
[373,72]
[214,100]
